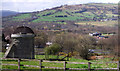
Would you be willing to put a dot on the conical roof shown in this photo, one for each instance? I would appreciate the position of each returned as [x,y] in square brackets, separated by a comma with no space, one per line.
[23,30]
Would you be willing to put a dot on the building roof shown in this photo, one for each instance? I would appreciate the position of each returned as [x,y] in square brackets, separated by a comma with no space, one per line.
[23,30]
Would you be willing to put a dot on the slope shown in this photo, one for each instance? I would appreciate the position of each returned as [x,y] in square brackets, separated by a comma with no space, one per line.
[76,13]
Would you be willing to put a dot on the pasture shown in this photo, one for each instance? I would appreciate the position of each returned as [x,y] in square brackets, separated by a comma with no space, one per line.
[99,23]
[72,59]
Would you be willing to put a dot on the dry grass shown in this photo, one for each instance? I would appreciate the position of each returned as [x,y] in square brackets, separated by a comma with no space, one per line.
[97,23]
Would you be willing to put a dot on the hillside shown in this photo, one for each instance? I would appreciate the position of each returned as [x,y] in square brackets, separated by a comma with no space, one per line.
[7,13]
[80,12]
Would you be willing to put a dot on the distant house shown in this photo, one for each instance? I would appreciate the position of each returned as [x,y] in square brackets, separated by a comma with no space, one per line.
[49,43]
[98,51]
[98,35]
[95,34]
[104,19]
[103,37]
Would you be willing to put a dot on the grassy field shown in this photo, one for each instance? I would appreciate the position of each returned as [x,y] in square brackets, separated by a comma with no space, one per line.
[20,17]
[72,59]
[51,19]
[105,23]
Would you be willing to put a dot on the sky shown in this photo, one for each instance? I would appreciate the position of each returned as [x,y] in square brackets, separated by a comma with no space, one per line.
[38,5]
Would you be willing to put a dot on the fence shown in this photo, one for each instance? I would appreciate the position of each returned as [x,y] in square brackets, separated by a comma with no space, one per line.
[64,64]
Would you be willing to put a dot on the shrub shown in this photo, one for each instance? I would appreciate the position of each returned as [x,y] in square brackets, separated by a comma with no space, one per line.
[52,49]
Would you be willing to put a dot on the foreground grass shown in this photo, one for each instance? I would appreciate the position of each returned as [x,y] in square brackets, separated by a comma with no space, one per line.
[25,62]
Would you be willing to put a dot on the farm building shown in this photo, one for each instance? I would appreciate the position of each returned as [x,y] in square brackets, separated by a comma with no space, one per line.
[95,34]
[22,45]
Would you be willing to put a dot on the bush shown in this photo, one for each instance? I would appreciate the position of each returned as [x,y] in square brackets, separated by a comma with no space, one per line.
[52,49]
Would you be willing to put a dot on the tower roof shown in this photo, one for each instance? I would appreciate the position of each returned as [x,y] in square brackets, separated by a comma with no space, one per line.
[23,30]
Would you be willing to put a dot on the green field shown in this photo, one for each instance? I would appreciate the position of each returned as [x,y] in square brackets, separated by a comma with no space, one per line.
[21,17]
[72,59]
[51,19]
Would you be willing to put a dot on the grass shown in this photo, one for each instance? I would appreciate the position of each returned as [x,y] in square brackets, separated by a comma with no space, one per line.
[45,12]
[60,13]
[16,67]
[61,22]
[21,17]
[107,34]
[72,59]
[97,23]
[51,19]
[110,15]
[71,14]
[49,16]
[89,15]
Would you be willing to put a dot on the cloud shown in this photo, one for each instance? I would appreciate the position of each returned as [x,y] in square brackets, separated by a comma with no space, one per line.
[28,6]
[37,5]
[30,0]
[69,1]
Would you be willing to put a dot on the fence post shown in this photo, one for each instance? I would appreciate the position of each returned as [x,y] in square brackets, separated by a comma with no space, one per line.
[18,64]
[40,62]
[89,67]
[118,66]
[65,65]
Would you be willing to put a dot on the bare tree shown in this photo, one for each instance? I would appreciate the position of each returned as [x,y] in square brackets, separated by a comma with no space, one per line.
[83,46]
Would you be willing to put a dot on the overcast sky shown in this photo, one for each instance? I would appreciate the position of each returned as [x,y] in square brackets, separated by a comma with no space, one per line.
[38,5]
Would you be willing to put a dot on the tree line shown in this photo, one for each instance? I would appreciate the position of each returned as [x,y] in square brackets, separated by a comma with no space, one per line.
[70,43]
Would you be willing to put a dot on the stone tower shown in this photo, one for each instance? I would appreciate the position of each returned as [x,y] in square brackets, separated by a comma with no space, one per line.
[22,45]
